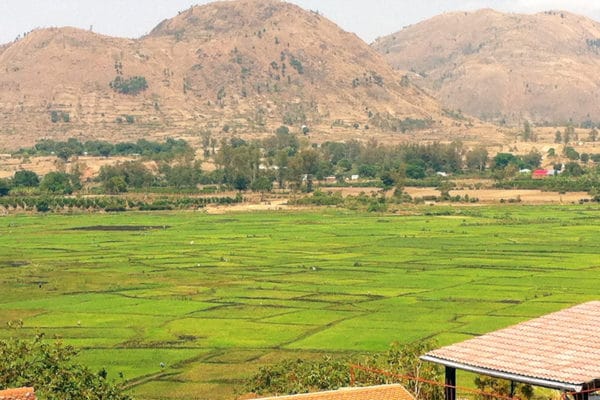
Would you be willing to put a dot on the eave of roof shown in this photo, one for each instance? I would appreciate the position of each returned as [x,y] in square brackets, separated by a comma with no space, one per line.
[559,350]
[550,384]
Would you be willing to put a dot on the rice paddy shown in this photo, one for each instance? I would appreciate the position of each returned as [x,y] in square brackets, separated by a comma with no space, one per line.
[185,304]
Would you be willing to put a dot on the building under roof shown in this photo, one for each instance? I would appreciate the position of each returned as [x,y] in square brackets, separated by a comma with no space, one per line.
[381,392]
[558,351]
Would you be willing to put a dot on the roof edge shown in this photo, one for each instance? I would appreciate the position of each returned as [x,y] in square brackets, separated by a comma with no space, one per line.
[550,384]
[342,390]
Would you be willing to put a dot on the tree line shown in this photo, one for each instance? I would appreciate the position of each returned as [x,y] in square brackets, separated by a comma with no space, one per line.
[289,162]
[168,150]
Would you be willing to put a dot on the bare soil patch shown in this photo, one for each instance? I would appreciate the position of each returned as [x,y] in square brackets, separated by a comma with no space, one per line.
[524,196]
[272,205]
[485,196]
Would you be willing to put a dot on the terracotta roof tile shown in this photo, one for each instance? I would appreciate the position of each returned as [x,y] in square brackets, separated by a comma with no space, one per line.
[25,393]
[560,347]
[382,392]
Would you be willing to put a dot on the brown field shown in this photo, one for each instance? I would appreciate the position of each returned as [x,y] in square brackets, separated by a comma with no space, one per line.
[486,195]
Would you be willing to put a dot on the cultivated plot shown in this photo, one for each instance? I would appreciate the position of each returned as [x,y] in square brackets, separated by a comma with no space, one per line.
[193,303]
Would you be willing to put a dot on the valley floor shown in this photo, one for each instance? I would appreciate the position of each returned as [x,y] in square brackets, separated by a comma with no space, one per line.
[188,304]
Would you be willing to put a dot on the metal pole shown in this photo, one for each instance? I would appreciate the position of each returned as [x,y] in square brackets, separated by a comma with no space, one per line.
[450,388]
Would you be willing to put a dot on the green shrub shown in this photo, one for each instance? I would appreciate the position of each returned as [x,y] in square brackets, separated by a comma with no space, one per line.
[130,86]
[50,368]
[297,65]
[42,205]
[4,187]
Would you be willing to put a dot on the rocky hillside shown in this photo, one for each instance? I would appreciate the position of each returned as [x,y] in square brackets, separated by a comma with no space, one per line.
[241,67]
[541,67]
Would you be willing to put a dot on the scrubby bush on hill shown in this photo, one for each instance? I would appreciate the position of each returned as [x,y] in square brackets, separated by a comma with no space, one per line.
[131,86]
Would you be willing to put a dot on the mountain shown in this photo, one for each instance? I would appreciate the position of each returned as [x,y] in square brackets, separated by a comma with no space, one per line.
[504,67]
[234,67]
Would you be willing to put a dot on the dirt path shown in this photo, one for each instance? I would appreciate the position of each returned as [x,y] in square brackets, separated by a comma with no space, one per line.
[273,205]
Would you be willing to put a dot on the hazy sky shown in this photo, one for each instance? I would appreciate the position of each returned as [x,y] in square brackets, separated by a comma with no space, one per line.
[367,18]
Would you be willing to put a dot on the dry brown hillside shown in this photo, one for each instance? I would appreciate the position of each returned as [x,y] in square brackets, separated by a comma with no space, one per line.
[542,67]
[243,67]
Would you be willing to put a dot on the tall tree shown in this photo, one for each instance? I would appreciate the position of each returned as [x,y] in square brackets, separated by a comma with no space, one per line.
[477,158]
[527,133]
[557,137]
[57,182]
[26,178]
[304,166]
[206,138]
[239,161]
[569,134]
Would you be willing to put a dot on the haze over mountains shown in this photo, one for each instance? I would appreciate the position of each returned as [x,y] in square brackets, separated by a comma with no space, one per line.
[505,67]
[241,66]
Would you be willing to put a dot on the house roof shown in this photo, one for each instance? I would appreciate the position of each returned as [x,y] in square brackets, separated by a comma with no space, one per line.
[381,392]
[25,393]
[559,350]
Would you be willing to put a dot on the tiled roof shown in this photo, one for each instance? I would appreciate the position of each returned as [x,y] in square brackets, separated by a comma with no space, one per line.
[560,350]
[382,392]
[25,393]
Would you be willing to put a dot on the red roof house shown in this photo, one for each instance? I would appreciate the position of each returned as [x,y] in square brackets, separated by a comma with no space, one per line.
[381,392]
[540,174]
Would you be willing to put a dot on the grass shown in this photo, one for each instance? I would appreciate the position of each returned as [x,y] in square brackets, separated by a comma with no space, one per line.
[214,297]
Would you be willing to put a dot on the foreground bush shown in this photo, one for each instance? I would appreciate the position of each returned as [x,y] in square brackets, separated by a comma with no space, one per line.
[330,373]
[49,368]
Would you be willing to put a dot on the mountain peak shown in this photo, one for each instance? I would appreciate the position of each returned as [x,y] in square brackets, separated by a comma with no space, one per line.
[235,67]
[505,67]
[240,16]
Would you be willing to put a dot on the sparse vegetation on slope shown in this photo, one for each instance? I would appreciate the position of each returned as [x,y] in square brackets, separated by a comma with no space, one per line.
[131,86]
[243,67]
[504,67]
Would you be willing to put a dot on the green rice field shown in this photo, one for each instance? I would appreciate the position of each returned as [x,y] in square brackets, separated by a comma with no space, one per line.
[213,297]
